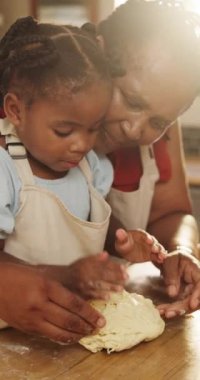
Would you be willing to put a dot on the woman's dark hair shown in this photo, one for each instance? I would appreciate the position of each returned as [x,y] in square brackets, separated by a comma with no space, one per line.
[136,22]
[35,57]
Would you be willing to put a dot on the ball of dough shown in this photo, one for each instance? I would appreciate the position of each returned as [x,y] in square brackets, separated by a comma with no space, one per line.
[130,319]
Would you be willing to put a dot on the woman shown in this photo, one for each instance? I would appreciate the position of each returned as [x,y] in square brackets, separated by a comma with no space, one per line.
[154,60]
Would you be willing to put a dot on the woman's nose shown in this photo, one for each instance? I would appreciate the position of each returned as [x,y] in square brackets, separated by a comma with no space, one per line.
[133,128]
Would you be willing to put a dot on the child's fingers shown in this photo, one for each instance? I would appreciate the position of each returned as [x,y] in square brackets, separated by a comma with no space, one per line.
[101,290]
[122,236]
[157,258]
[102,256]
[143,236]
[124,243]
[158,248]
[107,286]
[158,252]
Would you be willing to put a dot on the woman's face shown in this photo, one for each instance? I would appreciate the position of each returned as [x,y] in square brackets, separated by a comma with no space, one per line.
[148,99]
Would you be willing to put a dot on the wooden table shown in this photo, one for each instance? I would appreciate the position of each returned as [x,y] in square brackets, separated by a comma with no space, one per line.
[174,355]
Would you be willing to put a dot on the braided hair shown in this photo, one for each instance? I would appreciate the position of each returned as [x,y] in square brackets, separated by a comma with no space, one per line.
[135,22]
[36,58]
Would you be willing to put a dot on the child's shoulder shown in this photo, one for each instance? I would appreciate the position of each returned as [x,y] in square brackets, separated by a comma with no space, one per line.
[102,171]
[99,162]
[8,171]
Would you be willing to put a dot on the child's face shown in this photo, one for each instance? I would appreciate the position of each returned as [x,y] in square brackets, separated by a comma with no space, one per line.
[148,99]
[59,133]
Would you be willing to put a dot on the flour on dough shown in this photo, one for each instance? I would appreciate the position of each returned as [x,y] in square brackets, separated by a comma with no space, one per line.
[131,319]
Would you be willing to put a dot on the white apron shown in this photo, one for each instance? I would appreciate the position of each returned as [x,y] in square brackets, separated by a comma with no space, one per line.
[133,208]
[45,231]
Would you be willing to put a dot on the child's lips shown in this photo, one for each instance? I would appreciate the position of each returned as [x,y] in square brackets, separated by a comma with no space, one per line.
[71,164]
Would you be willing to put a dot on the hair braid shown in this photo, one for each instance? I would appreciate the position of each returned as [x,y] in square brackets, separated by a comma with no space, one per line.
[21,27]
[35,57]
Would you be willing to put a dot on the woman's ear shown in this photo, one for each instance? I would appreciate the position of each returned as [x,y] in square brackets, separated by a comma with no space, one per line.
[13,108]
[101,43]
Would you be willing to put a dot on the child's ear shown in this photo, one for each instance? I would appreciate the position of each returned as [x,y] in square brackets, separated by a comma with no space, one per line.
[13,108]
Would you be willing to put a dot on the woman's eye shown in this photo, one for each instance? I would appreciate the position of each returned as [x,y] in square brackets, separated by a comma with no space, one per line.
[134,105]
[158,124]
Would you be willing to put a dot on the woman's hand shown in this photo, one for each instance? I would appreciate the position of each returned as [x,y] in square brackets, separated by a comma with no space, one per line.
[181,275]
[39,305]
[96,276]
[138,246]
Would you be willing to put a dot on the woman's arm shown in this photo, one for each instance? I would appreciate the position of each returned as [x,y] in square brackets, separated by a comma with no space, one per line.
[172,223]
[36,303]
[171,220]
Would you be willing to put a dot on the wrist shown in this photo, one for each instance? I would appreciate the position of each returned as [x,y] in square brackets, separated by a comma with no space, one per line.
[184,249]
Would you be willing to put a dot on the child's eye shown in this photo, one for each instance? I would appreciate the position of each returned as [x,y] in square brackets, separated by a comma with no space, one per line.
[62,134]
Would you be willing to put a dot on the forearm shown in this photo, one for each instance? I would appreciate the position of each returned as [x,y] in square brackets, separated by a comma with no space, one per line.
[176,229]
[56,272]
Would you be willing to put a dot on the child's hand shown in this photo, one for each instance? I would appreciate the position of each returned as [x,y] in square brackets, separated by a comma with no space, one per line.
[96,276]
[36,304]
[138,246]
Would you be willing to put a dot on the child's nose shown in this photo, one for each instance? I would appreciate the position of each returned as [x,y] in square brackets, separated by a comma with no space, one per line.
[82,145]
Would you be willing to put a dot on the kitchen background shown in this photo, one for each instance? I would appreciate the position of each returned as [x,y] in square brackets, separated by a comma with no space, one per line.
[79,11]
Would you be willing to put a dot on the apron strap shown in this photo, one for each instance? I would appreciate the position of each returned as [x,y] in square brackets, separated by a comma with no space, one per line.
[85,168]
[148,161]
[17,152]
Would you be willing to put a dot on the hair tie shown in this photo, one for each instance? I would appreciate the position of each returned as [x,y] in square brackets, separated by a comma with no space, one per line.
[90,28]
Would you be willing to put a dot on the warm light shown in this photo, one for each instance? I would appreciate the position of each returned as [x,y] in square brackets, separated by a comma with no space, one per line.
[119,2]
[192,5]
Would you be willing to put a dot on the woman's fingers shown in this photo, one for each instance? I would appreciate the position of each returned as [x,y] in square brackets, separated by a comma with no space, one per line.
[71,302]
[58,334]
[66,320]
[174,309]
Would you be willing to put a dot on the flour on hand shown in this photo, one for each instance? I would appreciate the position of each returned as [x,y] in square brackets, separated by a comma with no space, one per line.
[130,319]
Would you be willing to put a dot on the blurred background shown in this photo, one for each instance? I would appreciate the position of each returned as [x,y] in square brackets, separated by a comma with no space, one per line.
[79,11]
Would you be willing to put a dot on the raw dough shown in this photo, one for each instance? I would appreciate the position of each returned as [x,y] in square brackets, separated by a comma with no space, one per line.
[131,319]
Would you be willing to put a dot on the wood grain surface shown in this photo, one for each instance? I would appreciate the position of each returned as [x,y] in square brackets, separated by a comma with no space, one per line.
[175,355]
